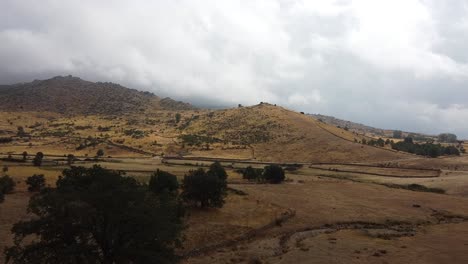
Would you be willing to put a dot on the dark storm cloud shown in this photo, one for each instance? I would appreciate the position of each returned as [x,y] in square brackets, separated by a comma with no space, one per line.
[393,64]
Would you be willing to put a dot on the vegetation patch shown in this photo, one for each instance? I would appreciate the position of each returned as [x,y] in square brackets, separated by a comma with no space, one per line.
[414,187]
[426,149]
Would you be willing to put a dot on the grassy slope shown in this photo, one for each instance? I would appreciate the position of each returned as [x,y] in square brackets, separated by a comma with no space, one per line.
[288,136]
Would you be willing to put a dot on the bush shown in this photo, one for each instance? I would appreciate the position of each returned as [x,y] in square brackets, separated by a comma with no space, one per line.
[252,174]
[7,185]
[37,161]
[95,215]
[162,181]
[36,182]
[422,188]
[203,188]
[273,174]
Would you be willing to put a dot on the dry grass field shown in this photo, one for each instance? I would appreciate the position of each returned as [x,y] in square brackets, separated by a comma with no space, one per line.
[336,212]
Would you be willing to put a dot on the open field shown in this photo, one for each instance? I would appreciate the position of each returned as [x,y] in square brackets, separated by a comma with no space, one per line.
[342,202]
[332,219]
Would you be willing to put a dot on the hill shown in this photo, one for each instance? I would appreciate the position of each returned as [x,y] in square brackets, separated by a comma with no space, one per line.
[72,95]
[276,134]
[368,130]
[149,125]
[357,127]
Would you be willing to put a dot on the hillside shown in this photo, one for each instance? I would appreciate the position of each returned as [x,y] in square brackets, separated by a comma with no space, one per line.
[72,95]
[369,131]
[277,134]
[356,127]
[127,122]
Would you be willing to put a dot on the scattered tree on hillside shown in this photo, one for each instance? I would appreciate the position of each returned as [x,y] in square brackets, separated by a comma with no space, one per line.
[95,215]
[408,140]
[252,174]
[100,153]
[447,138]
[37,161]
[70,159]
[36,182]
[177,117]
[378,143]
[162,181]
[273,174]
[20,132]
[25,155]
[218,170]
[205,189]
[397,134]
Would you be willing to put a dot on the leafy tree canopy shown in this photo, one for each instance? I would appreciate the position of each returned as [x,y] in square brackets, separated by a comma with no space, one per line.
[205,189]
[95,215]
[273,174]
[162,181]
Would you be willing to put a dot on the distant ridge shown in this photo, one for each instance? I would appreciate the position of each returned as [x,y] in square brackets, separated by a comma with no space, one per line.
[72,95]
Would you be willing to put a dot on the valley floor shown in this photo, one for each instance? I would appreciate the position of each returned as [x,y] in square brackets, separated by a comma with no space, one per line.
[325,213]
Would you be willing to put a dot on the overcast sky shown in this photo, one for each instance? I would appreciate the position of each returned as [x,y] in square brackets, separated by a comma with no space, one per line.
[391,64]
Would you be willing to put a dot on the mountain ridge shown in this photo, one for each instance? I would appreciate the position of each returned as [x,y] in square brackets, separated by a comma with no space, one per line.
[72,95]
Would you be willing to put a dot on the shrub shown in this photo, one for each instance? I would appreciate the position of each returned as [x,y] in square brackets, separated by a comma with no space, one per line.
[37,161]
[7,185]
[273,174]
[252,174]
[36,182]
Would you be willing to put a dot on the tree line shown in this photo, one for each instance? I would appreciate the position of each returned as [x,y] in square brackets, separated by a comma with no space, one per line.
[425,149]
[97,215]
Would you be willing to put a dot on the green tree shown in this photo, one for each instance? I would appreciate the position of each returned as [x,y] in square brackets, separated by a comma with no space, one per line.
[250,174]
[177,117]
[205,189]
[95,215]
[20,132]
[37,161]
[273,174]
[380,142]
[7,184]
[162,181]
[36,182]
[70,159]
[218,170]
